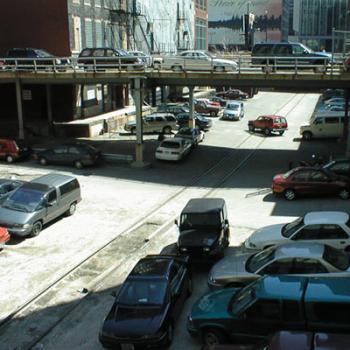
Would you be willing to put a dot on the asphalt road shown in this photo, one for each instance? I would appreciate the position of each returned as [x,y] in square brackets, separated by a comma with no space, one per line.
[117,197]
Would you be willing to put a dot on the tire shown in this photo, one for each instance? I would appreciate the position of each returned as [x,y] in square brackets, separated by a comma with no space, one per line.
[9,159]
[213,114]
[219,69]
[281,133]
[344,194]
[37,227]
[307,135]
[167,130]
[133,130]
[251,128]
[72,209]
[170,334]
[43,161]
[176,68]
[267,132]
[289,194]
[213,337]
[78,164]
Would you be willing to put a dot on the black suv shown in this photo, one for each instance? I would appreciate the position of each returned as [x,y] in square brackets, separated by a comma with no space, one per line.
[203,228]
[201,122]
[173,108]
[108,58]
[288,55]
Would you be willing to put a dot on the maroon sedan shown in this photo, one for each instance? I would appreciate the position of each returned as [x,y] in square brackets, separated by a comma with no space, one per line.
[304,181]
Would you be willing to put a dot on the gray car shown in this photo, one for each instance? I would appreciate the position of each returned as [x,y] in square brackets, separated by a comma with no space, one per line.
[234,110]
[27,209]
[300,259]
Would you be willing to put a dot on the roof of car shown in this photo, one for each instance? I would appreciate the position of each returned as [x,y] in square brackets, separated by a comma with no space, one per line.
[152,266]
[326,217]
[273,116]
[299,250]
[52,179]
[201,205]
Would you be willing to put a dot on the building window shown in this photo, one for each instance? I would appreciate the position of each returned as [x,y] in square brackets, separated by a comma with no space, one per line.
[87,2]
[99,33]
[98,3]
[201,4]
[76,1]
[77,33]
[89,42]
[201,34]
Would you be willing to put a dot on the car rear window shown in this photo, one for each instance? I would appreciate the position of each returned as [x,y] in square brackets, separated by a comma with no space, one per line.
[169,144]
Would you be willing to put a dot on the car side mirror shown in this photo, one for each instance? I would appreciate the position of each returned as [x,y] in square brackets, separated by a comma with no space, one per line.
[176,222]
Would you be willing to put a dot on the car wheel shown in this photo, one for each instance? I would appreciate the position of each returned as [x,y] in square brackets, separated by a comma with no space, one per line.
[176,68]
[133,130]
[289,194]
[219,69]
[213,114]
[43,161]
[170,334]
[167,130]
[307,135]
[267,132]
[251,128]
[281,133]
[78,164]
[36,229]
[71,209]
[213,337]
[9,159]
[344,194]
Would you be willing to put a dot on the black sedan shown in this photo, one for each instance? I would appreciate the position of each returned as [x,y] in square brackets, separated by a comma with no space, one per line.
[76,154]
[147,304]
[233,94]
[201,122]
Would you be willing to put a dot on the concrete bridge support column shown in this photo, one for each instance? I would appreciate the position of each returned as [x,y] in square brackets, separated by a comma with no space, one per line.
[191,120]
[137,96]
[19,109]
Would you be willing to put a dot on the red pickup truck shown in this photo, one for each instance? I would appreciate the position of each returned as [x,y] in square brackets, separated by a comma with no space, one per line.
[203,107]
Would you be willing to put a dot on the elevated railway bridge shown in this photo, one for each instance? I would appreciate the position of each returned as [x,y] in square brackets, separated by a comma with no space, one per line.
[294,79]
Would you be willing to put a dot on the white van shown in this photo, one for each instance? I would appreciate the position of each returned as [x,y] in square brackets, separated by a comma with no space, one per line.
[323,125]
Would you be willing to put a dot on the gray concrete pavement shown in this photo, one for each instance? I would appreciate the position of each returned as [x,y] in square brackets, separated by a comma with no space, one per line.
[115,197]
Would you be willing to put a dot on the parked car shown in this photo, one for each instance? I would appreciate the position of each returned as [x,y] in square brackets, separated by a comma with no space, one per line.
[201,122]
[108,58]
[173,108]
[157,122]
[339,166]
[194,135]
[268,124]
[308,181]
[11,150]
[331,108]
[34,59]
[204,230]
[204,108]
[233,94]
[147,304]
[8,185]
[329,93]
[219,99]
[146,59]
[287,55]
[35,203]
[173,149]
[301,258]
[335,101]
[208,101]
[326,227]
[270,304]
[234,110]
[77,154]
[198,60]
[4,236]
[346,64]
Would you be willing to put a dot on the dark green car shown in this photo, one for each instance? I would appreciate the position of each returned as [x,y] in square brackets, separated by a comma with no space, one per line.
[271,304]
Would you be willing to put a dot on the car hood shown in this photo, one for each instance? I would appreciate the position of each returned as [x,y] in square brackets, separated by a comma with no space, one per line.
[223,61]
[198,237]
[10,217]
[231,112]
[134,321]
[231,267]
[322,54]
[268,235]
[213,305]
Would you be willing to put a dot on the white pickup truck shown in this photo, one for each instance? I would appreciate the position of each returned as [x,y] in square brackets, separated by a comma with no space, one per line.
[196,60]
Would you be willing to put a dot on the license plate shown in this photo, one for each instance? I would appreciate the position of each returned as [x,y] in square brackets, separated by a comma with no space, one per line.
[127,347]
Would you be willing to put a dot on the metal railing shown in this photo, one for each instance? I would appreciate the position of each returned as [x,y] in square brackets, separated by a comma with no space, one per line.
[244,64]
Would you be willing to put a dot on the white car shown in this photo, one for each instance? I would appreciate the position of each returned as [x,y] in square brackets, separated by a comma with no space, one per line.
[328,227]
[147,59]
[194,135]
[198,60]
[234,110]
[173,149]
[301,259]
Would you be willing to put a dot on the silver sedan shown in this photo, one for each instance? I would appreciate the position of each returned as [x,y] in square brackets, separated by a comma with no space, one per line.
[299,259]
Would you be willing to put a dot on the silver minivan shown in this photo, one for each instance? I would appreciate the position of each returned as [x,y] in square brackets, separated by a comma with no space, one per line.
[38,202]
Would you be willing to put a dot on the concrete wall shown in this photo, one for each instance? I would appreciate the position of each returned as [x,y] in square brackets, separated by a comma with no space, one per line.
[31,23]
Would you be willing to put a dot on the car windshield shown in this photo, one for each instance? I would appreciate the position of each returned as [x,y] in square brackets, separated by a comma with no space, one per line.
[170,144]
[288,173]
[289,229]
[335,257]
[24,199]
[43,53]
[185,131]
[143,292]
[199,117]
[258,260]
[188,221]
[234,107]
[245,297]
